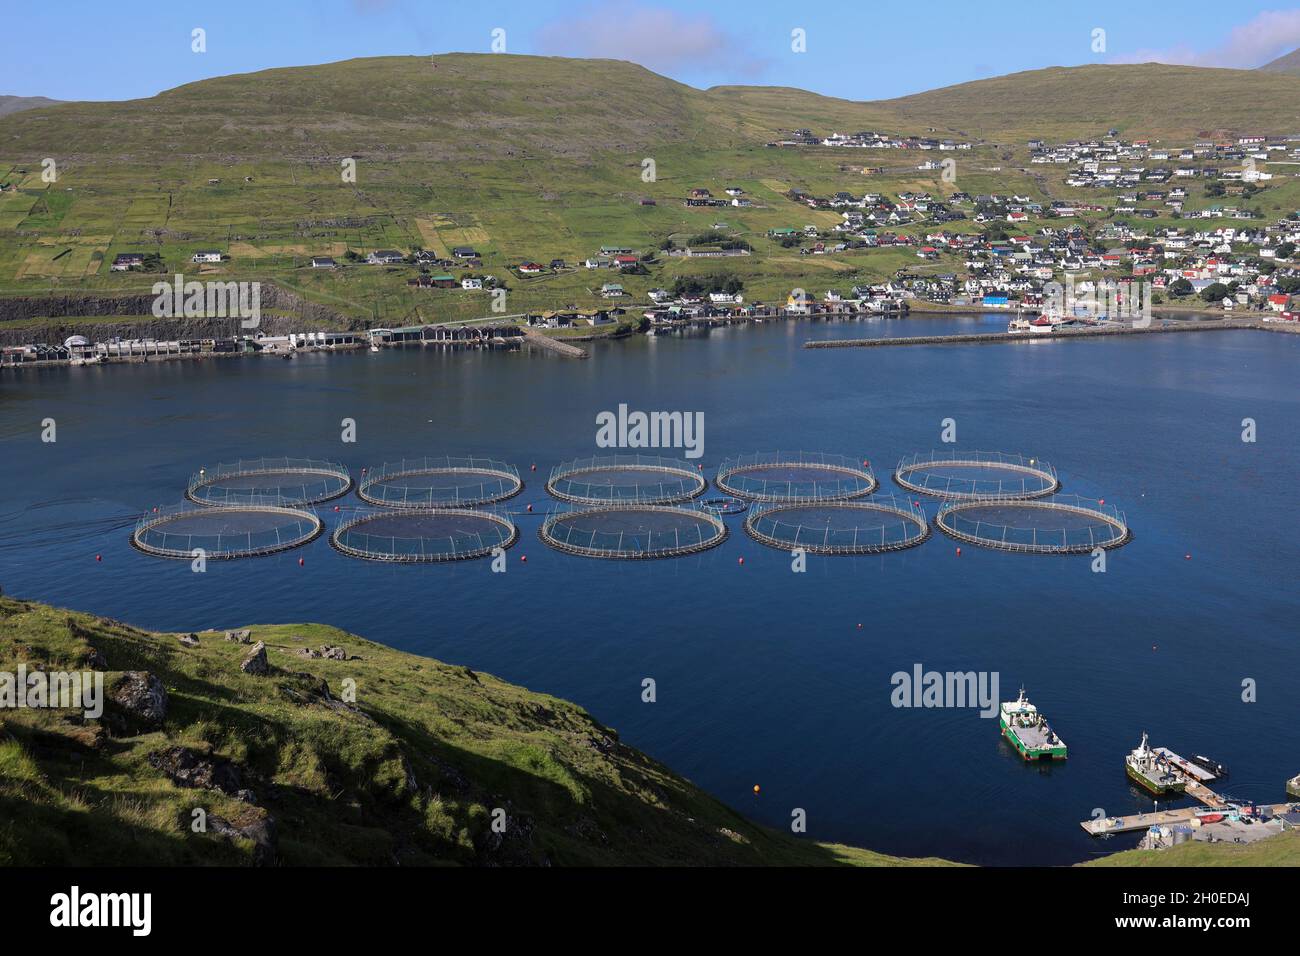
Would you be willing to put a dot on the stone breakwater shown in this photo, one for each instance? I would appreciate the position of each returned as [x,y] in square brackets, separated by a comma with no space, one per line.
[976,338]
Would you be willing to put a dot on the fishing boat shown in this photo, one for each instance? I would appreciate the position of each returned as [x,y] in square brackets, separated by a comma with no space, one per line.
[1152,771]
[1028,731]
[1205,763]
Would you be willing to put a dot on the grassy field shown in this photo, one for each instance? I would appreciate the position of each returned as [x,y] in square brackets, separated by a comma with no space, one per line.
[410,774]
[1282,850]
[533,158]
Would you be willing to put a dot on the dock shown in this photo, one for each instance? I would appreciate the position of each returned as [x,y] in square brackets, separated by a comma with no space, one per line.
[1196,779]
[981,338]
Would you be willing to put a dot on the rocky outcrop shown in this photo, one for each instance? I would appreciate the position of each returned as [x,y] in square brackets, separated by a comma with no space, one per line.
[240,637]
[138,702]
[186,767]
[189,640]
[256,663]
[261,830]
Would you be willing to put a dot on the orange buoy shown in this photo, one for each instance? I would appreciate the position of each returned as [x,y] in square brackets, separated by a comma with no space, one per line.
[756,790]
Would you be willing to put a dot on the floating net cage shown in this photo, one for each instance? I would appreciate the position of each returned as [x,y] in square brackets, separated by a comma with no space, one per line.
[795,476]
[414,537]
[440,483]
[293,481]
[840,527]
[725,506]
[1064,524]
[621,479]
[226,531]
[968,475]
[633,531]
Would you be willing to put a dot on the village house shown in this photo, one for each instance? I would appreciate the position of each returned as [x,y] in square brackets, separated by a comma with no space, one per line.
[383,257]
[126,261]
[322,262]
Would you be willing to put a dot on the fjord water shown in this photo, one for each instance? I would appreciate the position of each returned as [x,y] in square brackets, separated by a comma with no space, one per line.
[763,676]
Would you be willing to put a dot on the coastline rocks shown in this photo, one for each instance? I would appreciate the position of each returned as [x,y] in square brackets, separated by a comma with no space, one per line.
[95,660]
[256,663]
[189,640]
[140,699]
[240,637]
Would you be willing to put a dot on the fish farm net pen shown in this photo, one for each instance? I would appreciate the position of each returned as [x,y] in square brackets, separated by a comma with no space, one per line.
[1065,524]
[968,475]
[445,482]
[618,479]
[223,532]
[633,531]
[423,537]
[795,477]
[300,481]
[840,527]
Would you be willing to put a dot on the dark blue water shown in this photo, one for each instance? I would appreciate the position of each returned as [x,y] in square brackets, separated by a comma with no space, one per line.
[764,676]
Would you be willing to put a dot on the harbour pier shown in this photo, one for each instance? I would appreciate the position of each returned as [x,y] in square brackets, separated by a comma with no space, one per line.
[977,338]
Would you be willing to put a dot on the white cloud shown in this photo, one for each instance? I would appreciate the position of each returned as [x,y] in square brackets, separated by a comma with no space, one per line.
[655,37]
[1252,44]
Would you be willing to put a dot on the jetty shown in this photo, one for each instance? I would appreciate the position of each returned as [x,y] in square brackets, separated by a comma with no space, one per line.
[565,349]
[1110,331]
[1195,780]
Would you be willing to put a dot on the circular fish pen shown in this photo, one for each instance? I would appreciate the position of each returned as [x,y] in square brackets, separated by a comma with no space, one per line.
[440,483]
[633,531]
[1065,524]
[415,537]
[225,531]
[795,476]
[970,475]
[292,481]
[725,506]
[839,527]
[625,479]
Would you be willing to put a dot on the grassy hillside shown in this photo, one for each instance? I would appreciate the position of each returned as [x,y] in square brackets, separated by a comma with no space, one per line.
[16,104]
[1281,850]
[1140,100]
[1287,63]
[288,771]
[535,158]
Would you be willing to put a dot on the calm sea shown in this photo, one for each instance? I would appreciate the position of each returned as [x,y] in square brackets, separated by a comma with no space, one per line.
[764,676]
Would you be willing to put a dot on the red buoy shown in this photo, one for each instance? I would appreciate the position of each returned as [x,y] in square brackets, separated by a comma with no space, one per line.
[1187,557]
[523,558]
[740,560]
[959,552]
[530,507]
[99,557]
[301,562]
[1101,501]
[534,468]
[336,507]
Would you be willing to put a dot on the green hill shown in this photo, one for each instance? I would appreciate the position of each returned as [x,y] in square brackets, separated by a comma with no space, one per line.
[526,158]
[1287,63]
[1151,100]
[16,104]
[289,771]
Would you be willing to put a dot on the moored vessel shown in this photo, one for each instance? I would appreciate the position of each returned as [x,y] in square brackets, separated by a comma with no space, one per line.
[1028,732]
[1152,771]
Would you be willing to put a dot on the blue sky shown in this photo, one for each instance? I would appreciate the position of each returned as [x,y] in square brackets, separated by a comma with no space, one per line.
[858,49]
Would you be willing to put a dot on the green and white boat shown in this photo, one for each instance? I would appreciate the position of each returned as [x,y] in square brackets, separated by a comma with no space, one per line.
[1028,731]
[1152,771]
